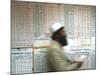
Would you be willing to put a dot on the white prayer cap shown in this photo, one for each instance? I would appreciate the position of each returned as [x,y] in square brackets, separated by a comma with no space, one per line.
[56,26]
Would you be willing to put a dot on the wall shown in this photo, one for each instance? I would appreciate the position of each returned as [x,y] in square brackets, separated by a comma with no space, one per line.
[32,20]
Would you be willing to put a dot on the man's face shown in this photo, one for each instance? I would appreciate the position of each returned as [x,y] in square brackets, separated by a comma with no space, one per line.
[62,37]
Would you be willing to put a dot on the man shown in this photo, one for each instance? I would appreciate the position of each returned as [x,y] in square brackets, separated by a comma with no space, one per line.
[55,56]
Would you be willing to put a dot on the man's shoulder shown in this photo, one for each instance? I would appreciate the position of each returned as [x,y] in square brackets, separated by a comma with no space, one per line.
[54,44]
[53,48]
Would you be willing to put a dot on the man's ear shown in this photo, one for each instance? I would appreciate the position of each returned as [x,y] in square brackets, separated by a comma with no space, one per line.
[57,36]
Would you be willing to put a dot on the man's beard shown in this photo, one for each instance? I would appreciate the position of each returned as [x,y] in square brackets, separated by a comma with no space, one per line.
[63,41]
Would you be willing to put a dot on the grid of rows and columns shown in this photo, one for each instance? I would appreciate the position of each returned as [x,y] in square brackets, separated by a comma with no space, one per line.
[30,20]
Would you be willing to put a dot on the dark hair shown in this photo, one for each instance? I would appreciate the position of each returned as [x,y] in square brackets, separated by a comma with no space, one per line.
[56,33]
